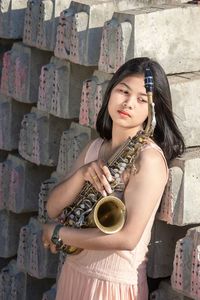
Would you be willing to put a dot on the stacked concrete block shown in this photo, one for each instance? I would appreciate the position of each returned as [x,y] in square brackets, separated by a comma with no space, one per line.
[165,292]
[185,90]
[139,32]
[91,98]
[40,137]
[50,295]
[80,28]
[18,190]
[17,285]
[11,115]
[41,21]
[20,73]
[186,272]
[32,257]
[45,188]
[162,248]
[72,143]
[79,31]
[9,233]
[12,18]
[60,88]
[180,203]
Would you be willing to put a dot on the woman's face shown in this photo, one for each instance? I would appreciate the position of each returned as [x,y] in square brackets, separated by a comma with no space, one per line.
[128,104]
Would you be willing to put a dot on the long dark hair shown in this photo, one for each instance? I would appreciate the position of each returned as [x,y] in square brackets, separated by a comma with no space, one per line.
[166,133]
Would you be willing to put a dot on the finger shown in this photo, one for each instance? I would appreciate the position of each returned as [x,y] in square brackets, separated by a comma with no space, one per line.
[107,173]
[53,248]
[106,185]
[94,179]
[46,244]
[102,182]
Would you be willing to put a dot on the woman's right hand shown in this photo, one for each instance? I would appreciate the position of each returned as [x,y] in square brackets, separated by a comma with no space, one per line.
[98,174]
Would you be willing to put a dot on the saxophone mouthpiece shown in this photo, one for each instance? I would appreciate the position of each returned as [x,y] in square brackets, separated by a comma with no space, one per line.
[148,80]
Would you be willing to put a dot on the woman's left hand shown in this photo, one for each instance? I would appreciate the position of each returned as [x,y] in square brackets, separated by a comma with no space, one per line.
[46,237]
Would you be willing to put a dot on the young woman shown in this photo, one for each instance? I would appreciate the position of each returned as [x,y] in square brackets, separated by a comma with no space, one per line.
[113,266]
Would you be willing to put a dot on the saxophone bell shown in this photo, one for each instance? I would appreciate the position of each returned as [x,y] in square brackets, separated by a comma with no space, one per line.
[108,215]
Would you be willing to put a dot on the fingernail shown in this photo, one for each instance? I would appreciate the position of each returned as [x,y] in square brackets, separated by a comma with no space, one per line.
[110,179]
[104,193]
[110,191]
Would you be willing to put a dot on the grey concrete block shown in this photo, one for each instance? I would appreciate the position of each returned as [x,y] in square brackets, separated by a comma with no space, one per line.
[20,184]
[12,282]
[186,268]
[41,21]
[50,294]
[11,115]
[72,143]
[9,232]
[20,73]
[92,96]
[17,285]
[185,90]
[140,32]
[45,188]
[162,248]
[79,31]
[165,292]
[60,88]
[32,257]
[180,202]
[12,18]
[40,137]
[80,28]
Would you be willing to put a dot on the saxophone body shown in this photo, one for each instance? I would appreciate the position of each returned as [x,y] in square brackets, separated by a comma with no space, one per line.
[90,208]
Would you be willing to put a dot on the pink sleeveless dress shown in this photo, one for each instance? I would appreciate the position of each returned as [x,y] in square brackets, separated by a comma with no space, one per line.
[107,275]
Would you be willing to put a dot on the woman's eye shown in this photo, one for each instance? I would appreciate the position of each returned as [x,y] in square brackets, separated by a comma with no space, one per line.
[142,100]
[123,91]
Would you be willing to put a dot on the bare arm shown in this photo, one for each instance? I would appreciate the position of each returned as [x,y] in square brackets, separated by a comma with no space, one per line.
[141,195]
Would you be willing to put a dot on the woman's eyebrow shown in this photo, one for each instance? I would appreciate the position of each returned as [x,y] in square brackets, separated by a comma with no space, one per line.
[126,85]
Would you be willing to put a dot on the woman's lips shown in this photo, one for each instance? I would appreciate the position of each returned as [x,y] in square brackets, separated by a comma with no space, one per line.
[123,113]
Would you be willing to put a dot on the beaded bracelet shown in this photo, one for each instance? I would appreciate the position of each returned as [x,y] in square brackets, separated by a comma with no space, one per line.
[56,240]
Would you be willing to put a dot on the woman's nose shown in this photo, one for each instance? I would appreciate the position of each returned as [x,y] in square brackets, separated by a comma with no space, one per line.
[129,104]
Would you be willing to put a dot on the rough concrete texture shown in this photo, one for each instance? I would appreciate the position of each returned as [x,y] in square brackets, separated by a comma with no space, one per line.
[72,143]
[162,248]
[17,285]
[80,28]
[9,233]
[180,202]
[60,88]
[50,295]
[45,188]
[18,192]
[141,32]
[41,21]
[32,257]
[11,115]
[40,137]
[165,292]
[186,270]
[91,98]
[20,73]
[185,90]
[12,14]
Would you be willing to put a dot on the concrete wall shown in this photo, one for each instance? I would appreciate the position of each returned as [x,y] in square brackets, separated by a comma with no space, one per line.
[56,58]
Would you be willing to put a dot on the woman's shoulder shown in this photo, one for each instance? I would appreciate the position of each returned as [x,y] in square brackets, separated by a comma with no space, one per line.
[92,150]
[151,155]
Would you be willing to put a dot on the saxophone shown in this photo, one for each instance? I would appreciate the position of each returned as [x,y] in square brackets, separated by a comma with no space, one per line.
[90,208]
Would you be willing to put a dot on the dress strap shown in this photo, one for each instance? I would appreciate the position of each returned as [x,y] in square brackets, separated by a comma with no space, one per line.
[93,150]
